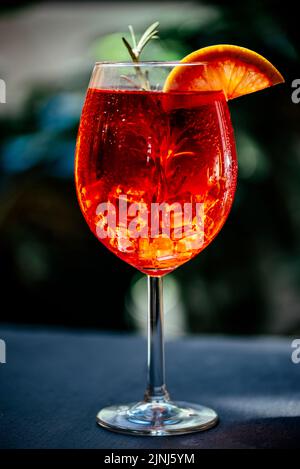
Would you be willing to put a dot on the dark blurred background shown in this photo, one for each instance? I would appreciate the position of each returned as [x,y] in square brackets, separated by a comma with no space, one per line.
[53,271]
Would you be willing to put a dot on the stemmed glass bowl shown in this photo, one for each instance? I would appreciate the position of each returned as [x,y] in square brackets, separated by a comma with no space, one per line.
[155,175]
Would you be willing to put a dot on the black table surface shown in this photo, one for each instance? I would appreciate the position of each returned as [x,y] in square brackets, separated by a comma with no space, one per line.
[55,381]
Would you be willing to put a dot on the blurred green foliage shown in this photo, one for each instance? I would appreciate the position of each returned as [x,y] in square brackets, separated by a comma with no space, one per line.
[247,281]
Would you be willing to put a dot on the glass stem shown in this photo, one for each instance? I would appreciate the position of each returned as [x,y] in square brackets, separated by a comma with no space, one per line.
[156,387]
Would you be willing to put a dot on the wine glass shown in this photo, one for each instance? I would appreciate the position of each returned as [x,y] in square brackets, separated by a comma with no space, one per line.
[155,175]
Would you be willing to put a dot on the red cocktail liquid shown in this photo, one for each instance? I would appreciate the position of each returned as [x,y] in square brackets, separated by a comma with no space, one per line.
[155,147]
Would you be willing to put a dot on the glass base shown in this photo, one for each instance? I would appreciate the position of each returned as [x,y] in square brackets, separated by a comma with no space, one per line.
[157,418]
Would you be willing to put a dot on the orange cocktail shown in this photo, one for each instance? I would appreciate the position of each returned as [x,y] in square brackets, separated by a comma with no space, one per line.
[146,152]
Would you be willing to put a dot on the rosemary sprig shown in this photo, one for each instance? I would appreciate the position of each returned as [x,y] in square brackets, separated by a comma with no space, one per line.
[136,49]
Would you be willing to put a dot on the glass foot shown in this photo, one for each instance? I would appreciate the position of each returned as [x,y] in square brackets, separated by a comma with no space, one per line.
[157,418]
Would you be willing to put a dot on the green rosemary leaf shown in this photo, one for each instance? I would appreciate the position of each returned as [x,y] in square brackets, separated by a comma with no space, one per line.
[129,48]
[149,31]
[132,82]
[132,35]
[145,42]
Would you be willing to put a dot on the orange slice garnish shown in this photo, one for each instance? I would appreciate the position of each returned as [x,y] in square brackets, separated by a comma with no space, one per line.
[233,69]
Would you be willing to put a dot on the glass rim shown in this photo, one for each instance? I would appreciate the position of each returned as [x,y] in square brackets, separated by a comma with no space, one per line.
[153,63]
